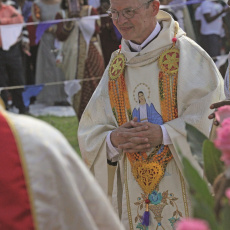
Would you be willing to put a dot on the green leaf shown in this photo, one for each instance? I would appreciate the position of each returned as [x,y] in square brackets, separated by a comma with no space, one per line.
[203,211]
[202,200]
[225,217]
[198,187]
[212,164]
[195,139]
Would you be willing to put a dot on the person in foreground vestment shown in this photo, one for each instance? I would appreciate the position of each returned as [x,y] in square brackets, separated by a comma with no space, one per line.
[44,184]
[178,80]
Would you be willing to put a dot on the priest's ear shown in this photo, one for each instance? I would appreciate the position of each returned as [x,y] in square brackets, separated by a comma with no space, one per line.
[155,4]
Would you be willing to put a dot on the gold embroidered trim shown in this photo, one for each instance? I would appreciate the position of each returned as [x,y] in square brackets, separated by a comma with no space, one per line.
[148,174]
[127,196]
[183,187]
[229,79]
[25,171]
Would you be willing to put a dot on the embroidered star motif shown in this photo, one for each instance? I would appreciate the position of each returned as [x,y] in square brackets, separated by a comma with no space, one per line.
[117,66]
[171,61]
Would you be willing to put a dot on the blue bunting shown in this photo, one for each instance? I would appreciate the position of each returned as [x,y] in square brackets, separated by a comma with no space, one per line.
[31,91]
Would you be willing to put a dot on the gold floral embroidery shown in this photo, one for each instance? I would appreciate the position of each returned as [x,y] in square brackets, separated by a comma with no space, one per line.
[158,201]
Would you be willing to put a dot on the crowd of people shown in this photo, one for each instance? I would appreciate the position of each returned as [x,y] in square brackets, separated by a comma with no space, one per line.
[65,52]
[131,123]
[74,49]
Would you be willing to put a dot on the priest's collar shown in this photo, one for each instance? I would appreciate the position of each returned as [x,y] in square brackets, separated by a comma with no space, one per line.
[138,48]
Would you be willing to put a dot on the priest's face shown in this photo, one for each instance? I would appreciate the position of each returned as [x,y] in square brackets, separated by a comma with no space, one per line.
[135,19]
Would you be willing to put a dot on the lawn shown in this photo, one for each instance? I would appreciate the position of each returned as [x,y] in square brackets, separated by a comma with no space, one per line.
[67,126]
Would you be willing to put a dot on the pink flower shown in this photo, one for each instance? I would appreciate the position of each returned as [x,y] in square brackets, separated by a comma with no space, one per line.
[222,141]
[227,193]
[192,224]
[222,113]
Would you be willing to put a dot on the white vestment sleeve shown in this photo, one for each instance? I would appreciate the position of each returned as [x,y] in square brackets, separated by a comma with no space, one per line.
[112,152]
[166,137]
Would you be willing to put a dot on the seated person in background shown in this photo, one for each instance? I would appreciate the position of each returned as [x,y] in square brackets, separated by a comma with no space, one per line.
[44,184]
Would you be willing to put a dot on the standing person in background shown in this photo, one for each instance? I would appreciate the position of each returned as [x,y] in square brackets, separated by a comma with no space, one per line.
[46,69]
[211,17]
[197,17]
[178,10]
[44,183]
[94,3]
[77,63]
[24,8]
[109,35]
[179,7]
[149,79]
[11,71]
[32,59]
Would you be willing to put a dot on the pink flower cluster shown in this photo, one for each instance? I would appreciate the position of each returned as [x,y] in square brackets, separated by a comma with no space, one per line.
[222,141]
[227,193]
[222,113]
[192,224]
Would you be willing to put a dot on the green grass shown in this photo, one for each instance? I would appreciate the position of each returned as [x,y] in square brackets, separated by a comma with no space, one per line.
[67,126]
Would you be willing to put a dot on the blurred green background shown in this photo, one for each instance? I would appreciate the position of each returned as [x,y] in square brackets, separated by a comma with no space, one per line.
[67,126]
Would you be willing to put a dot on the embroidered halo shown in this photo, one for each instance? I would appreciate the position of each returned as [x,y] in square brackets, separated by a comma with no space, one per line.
[117,67]
[141,87]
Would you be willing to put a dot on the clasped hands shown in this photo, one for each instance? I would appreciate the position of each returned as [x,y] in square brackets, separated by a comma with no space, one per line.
[136,136]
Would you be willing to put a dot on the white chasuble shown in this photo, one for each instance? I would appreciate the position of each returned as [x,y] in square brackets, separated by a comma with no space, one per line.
[199,85]
[62,193]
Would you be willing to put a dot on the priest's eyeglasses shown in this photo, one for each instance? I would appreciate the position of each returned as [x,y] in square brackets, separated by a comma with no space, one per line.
[127,13]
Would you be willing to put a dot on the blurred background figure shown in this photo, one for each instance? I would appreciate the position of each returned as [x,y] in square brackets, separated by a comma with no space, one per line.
[94,3]
[32,59]
[109,35]
[179,11]
[80,59]
[46,69]
[44,183]
[25,8]
[178,7]
[210,14]
[11,70]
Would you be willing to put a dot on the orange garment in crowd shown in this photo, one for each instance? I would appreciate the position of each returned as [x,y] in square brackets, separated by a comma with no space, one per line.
[9,15]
